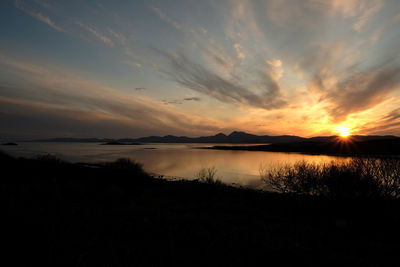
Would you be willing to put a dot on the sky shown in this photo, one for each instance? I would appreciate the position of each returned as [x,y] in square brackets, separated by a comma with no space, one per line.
[135,68]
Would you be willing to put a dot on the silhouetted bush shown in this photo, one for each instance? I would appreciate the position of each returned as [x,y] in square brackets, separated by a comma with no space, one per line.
[358,177]
[301,178]
[207,175]
[125,164]
[47,158]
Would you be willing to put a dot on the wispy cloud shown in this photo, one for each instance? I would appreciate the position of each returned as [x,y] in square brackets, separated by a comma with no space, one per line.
[102,37]
[372,7]
[388,124]
[166,18]
[310,13]
[194,98]
[119,36]
[362,91]
[39,16]
[275,69]
[180,101]
[62,93]
[172,102]
[132,63]
[239,51]
[195,77]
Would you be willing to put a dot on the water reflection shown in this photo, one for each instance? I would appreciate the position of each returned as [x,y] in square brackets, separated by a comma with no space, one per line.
[181,160]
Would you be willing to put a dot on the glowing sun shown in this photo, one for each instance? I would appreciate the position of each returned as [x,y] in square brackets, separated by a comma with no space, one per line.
[343,131]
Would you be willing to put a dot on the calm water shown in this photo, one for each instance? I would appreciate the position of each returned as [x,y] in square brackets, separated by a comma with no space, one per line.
[180,160]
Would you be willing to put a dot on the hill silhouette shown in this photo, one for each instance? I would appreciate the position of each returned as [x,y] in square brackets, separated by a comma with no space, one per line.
[356,145]
[235,137]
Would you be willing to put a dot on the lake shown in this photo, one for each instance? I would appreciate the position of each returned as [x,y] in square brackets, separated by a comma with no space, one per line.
[176,160]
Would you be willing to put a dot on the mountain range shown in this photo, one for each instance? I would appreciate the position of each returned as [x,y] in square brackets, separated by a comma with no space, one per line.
[220,138]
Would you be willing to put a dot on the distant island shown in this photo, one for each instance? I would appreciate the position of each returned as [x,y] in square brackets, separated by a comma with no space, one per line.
[115,143]
[74,140]
[10,144]
[220,138]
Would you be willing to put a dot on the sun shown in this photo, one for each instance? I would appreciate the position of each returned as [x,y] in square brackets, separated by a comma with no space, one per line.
[343,131]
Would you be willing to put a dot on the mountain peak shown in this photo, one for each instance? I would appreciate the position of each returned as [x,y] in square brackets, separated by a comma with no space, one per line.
[220,135]
[239,134]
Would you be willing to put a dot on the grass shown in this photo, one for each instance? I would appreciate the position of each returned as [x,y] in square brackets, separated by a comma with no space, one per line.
[61,214]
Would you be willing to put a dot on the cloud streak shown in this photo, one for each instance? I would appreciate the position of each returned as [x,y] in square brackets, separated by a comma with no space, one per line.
[345,86]
[166,18]
[66,95]
[194,98]
[39,16]
[362,91]
[195,77]
[96,33]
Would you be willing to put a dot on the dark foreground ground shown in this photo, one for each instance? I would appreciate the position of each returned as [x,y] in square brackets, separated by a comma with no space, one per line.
[60,214]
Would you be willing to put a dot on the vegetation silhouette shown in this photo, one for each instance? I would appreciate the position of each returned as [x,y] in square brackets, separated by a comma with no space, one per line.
[208,175]
[357,177]
[115,214]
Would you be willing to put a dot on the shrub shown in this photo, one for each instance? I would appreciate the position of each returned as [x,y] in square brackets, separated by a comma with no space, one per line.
[301,178]
[207,175]
[358,177]
[49,159]
[126,164]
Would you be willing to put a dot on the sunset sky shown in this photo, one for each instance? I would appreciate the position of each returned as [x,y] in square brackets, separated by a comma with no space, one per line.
[188,67]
